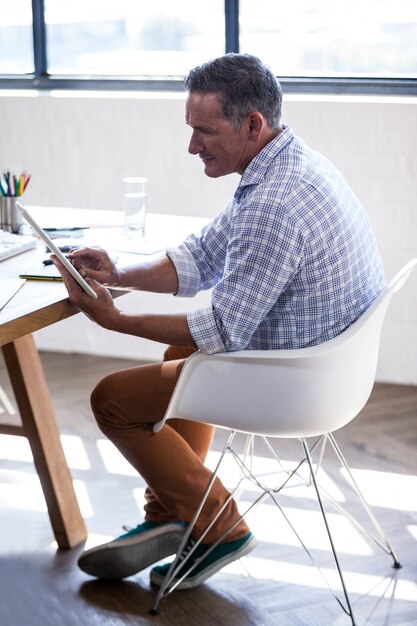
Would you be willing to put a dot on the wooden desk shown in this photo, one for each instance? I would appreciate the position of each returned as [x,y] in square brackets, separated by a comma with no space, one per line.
[36,305]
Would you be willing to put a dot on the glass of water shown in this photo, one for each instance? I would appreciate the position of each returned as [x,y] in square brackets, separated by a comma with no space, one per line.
[134,206]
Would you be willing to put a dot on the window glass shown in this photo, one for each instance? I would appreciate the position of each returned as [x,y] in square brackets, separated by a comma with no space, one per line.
[16,37]
[132,38]
[332,38]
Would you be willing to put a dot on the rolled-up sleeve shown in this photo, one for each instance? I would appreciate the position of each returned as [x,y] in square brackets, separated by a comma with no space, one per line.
[204,330]
[189,280]
[201,321]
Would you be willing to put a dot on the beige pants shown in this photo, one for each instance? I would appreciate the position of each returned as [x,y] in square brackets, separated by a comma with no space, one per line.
[126,404]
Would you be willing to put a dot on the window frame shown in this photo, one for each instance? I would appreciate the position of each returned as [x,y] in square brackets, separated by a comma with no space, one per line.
[41,80]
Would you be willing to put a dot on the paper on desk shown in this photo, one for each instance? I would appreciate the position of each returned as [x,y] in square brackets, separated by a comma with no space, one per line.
[41,272]
[8,289]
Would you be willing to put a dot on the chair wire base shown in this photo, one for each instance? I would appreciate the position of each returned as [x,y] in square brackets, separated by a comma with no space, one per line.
[245,464]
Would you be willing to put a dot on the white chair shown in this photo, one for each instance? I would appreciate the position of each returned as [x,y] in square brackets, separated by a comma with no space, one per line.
[295,394]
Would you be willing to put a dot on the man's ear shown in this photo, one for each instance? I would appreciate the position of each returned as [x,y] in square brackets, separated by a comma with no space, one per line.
[255,126]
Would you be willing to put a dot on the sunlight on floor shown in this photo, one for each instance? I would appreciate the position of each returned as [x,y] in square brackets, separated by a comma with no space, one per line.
[83,498]
[308,576]
[412,530]
[94,539]
[21,490]
[393,491]
[75,452]
[6,404]
[14,448]
[267,524]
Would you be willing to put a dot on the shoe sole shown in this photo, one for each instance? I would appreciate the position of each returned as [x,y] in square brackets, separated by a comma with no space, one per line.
[191,582]
[125,557]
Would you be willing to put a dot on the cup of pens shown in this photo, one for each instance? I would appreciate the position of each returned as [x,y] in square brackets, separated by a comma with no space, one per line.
[11,188]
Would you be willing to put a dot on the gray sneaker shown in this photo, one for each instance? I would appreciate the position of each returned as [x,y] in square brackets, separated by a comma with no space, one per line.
[133,551]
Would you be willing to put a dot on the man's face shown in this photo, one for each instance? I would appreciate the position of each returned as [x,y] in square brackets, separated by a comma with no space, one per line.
[219,145]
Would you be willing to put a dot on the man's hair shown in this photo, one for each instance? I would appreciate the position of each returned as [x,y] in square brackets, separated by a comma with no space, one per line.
[244,84]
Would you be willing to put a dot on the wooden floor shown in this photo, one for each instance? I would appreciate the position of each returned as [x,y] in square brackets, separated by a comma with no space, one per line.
[275,584]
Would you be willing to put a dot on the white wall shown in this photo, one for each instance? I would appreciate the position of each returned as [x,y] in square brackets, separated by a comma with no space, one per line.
[79,146]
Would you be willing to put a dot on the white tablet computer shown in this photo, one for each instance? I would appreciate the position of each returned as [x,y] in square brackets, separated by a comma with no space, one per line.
[80,280]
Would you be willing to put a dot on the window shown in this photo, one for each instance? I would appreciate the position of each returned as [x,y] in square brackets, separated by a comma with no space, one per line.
[131,38]
[346,38]
[16,39]
[312,45]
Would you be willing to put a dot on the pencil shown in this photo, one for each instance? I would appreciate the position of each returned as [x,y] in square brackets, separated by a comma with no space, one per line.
[26,182]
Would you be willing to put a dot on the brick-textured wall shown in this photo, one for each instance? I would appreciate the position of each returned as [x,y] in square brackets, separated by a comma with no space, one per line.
[78,148]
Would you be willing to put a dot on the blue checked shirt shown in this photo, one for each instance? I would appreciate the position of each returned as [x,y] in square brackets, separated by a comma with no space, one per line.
[292,260]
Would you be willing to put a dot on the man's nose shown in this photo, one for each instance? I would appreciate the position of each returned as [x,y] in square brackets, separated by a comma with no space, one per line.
[195,146]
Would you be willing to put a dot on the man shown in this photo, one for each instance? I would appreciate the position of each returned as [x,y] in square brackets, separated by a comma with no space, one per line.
[292,262]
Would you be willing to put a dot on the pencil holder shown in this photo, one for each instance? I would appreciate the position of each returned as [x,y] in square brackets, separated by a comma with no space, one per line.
[11,220]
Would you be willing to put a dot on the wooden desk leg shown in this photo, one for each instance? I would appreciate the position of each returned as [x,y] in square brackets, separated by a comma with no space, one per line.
[40,427]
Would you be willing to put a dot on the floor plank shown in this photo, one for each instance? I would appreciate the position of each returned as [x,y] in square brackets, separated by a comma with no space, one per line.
[275,584]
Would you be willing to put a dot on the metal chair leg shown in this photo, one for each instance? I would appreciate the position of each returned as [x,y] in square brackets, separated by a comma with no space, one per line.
[388,547]
[349,609]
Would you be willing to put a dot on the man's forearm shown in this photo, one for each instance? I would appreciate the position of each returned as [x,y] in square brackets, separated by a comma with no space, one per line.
[170,329]
[156,275]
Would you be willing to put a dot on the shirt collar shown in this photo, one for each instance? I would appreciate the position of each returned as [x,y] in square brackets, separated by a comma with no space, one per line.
[255,171]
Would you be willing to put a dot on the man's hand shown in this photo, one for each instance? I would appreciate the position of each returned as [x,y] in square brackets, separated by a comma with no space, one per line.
[95,263]
[101,309]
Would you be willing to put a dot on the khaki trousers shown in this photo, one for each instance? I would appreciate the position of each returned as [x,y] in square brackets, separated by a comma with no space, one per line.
[126,404]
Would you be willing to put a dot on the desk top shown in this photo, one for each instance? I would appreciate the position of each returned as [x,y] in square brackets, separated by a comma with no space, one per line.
[41,303]
[36,305]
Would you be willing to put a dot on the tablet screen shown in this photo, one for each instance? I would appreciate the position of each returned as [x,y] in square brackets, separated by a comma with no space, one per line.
[42,234]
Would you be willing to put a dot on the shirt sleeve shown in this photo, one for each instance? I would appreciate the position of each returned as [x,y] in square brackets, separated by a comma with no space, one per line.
[200,259]
[189,279]
[202,321]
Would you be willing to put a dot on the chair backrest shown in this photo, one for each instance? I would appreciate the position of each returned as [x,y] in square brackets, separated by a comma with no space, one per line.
[287,393]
